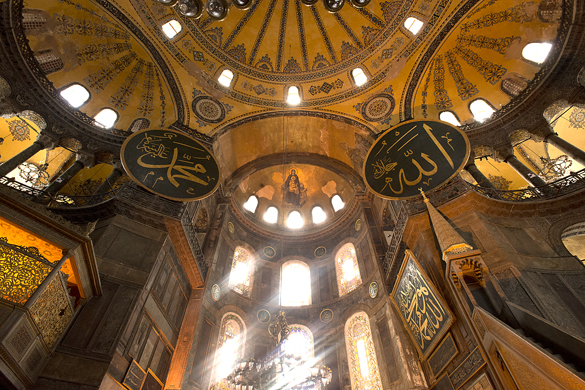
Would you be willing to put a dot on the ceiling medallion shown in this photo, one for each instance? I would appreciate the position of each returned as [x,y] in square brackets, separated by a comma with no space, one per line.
[216,9]
[208,109]
[269,252]
[242,4]
[215,292]
[333,5]
[190,8]
[378,107]
[358,225]
[263,316]
[326,315]
[231,228]
[320,251]
[373,290]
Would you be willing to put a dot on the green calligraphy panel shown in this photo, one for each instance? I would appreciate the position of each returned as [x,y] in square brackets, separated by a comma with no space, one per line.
[415,154]
[424,313]
[170,164]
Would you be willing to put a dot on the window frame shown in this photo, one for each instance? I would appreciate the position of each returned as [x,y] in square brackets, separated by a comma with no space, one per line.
[488,103]
[69,85]
[352,78]
[347,287]
[534,63]
[309,296]
[454,114]
[220,73]
[417,17]
[247,290]
[103,127]
[286,90]
[178,34]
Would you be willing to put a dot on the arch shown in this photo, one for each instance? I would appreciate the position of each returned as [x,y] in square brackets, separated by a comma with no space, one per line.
[573,238]
[295,289]
[300,342]
[231,343]
[251,204]
[347,269]
[363,365]
[242,272]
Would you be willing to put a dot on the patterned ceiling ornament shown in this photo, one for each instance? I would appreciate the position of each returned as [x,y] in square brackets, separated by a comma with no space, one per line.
[35,118]
[358,225]
[19,129]
[231,228]
[577,118]
[208,109]
[555,168]
[85,188]
[500,182]
[378,107]
[35,176]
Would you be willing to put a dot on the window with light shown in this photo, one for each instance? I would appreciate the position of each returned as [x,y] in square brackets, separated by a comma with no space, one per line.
[271,215]
[359,77]
[337,203]
[293,96]
[241,274]
[299,344]
[172,28]
[536,52]
[449,117]
[347,268]
[225,78]
[296,284]
[230,346]
[76,95]
[294,220]
[318,215]
[481,110]
[362,355]
[413,25]
[251,204]
[106,118]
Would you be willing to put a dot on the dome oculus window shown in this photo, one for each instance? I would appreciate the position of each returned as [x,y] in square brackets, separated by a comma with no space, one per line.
[449,117]
[293,96]
[413,25]
[359,77]
[172,28]
[337,203]
[481,110]
[251,204]
[271,215]
[76,95]
[318,215]
[106,118]
[536,52]
[225,78]
[294,220]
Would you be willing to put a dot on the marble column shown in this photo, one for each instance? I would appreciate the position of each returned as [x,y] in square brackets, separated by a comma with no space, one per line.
[81,162]
[479,177]
[524,171]
[571,150]
[42,142]
[107,185]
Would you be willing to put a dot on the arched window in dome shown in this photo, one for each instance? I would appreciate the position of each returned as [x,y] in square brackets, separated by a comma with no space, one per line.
[337,203]
[172,28]
[449,117]
[296,284]
[106,118]
[536,51]
[230,347]
[513,86]
[413,25]
[294,220]
[481,110]
[363,366]
[139,124]
[49,62]
[318,215]
[293,96]
[242,272]
[300,343]
[359,77]
[347,268]
[271,214]
[75,94]
[225,78]
[251,204]
[33,19]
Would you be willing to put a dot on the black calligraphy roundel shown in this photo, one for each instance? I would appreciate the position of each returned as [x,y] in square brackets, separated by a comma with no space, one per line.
[170,164]
[414,155]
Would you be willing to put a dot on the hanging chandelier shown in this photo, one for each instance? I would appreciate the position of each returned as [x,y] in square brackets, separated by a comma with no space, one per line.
[280,370]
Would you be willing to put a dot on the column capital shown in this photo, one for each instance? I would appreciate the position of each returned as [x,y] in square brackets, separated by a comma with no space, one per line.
[117,164]
[503,152]
[46,140]
[87,160]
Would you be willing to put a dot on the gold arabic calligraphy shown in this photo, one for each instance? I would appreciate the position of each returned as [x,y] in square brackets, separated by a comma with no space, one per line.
[420,308]
[383,165]
[176,168]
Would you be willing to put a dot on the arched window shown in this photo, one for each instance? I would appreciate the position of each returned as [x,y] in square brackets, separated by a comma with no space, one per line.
[481,110]
[172,28]
[251,204]
[347,268]
[449,117]
[49,62]
[75,94]
[271,215]
[318,215]
[363,366]
[536,52]
[296,284]
[225,78]
[513,86]
[241,275]
[337,203]
[300,343]
[230,346]
[359,77]
[33,19]
[106,118]
[413,25]
[293,96]
[294,220]
[139,124]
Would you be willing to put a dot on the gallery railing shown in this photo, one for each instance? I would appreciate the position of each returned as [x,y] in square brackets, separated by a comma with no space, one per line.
[575,181]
